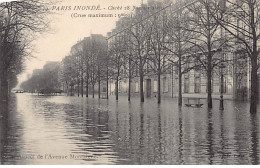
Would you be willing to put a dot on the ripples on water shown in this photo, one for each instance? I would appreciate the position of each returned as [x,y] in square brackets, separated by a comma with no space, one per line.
[92,131]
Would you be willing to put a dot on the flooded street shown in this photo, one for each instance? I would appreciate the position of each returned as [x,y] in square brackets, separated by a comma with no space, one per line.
[75,130]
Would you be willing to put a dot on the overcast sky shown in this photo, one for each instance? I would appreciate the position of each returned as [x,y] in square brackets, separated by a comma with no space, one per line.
[68,30]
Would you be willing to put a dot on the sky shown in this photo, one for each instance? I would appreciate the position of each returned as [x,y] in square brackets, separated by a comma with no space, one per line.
[67,30]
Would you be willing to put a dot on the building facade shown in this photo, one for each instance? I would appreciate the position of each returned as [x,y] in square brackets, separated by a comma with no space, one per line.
[236,71]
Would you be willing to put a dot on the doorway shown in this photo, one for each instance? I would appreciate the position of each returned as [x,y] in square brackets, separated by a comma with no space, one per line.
[148,87]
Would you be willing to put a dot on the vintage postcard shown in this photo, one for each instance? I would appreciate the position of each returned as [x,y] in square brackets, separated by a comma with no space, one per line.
[129,82]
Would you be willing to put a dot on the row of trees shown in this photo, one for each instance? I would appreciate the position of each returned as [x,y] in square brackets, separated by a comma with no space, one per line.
[188,35]
[44,80]
[19,23]
[170,37]
[185,35]
[86,65]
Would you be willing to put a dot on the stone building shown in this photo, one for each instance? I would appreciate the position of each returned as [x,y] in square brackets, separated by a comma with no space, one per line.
[236,73]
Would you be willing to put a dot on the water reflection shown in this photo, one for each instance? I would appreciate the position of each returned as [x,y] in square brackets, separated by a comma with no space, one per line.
[3,131]
[254,139]
[92,131]
[10,125]
[180,147]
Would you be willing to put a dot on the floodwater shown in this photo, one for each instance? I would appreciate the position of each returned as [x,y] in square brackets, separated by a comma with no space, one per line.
[75,130]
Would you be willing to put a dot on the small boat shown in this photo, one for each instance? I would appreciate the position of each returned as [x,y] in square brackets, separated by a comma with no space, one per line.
[193,105]
[196,102]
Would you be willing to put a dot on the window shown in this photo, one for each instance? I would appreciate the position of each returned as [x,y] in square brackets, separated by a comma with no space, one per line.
[155,87]
[136,87]
[186,85]
[197,82]
[120,86]
[197,85]
[125,86]
[165,85]
[197,73]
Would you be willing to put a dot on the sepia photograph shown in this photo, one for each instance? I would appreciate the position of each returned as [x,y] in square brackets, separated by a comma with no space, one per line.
[130,82]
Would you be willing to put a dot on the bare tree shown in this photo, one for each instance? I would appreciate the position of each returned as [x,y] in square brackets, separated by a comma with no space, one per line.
[77,53]
[241,19]
[126,48]
[206,40]
[93,67]
[158,55]
[95,60]
[66,73]
[86,61]
[140,33]
[130,63]
[19,21]
[177,42]
[117,50]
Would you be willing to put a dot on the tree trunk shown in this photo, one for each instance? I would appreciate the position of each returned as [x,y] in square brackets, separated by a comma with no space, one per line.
[179,67]
[93,92]
[159,87]
[86,89]
[209,85]
[129,80]
[4,87]
[117,82]
[107,82]
[129,88]
[141,73]
[117,87]
[254,82]
[3,80]
[98,87]
[9,88]
[67,88]
[254,65]
[78,86]
[209,59]
[87,85]
[71,90]
[67,92]
[180,83]
[82,83]
[1,77]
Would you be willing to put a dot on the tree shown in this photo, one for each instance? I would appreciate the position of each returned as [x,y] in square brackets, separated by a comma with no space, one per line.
[44,80]
[159,55]
[86,64]
[241,19]
[86,61]
[122,54]
[19,21]
[140,33]
[177,43]
[206,40]
[117,50]
[101,44]
[67,73]
[95,58]
[107,65]
[130,63]
[77,54]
